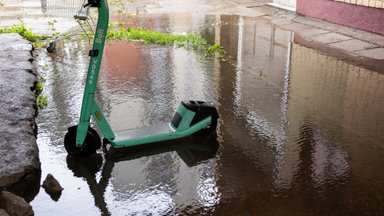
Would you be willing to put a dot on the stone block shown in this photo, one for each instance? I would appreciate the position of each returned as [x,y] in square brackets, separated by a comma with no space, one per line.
[330,38]
[376,53]
[353,45]
[15,205]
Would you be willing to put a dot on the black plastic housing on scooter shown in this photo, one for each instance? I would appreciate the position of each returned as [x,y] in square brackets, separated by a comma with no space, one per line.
[202,110]
[93,3]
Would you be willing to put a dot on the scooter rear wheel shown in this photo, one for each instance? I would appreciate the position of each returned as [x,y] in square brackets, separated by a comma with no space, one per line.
[92,142]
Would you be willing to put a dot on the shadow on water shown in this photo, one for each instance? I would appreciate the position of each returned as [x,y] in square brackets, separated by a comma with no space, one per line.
[191,150]
[300,131]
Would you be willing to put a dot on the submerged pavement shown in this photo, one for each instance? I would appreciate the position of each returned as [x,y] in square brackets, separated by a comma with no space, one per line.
[18,149]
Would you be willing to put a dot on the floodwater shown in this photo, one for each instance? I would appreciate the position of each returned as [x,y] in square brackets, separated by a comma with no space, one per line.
[299,133]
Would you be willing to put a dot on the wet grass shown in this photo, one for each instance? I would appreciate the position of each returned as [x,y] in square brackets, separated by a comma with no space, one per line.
[187,41]
[28,34]
[41,99]
[22,31]
[38,42]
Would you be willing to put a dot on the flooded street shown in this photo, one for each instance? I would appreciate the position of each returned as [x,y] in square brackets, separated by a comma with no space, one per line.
[299,133]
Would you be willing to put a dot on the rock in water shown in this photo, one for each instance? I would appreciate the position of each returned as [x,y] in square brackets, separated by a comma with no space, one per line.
[52,187]
[15,205]
[3,213]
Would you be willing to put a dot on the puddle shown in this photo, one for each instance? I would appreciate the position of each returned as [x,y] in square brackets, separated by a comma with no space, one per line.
[298,130]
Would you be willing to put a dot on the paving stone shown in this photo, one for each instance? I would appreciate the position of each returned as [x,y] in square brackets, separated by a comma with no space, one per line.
[330,38]
[281,22]
[296,27]
[353,45]
[240,11]
[376,53]
[312,32]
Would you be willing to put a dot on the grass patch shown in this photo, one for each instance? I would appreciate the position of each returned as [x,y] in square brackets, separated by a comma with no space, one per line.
[22,31]
[187,41]
[155,37]
[38,88]
[37,40]
[41,99]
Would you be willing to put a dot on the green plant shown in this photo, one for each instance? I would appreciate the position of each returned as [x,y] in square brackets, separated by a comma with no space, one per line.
[42,101]
[188,41]
[215,48]
[23,31]
[38,88]
[52,22]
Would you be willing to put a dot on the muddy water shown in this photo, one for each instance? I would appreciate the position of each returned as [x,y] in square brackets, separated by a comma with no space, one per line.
[300,132]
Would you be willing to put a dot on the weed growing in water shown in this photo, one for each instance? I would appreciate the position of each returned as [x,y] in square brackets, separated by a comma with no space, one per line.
[187,41]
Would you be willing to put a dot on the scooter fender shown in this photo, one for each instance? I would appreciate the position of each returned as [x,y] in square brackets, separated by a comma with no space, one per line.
[191,112]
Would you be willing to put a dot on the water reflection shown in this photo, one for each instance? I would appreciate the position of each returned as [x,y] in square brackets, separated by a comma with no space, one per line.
[299,130]
[294,103]
[152,199]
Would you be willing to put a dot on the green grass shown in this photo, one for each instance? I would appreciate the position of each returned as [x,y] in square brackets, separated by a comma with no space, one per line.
[23,31]
[187,41]
[41,99]
[38,88]
[38,41]
[155,37]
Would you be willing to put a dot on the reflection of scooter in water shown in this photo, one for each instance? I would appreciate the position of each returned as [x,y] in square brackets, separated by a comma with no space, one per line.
[191,150]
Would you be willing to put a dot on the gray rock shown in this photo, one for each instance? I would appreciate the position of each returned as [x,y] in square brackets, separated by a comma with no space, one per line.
[15,205]
[14,42]
[19,159]
[52,187]
[3,213]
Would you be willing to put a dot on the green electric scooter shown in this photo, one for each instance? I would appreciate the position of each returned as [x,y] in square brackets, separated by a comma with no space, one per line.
[191,117]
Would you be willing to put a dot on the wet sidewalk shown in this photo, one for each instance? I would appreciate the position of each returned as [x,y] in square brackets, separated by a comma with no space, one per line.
[29,12]
[342,41]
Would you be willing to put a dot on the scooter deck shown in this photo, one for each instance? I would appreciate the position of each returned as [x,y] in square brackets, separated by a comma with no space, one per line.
[144,132]
[143,135]
[153,134]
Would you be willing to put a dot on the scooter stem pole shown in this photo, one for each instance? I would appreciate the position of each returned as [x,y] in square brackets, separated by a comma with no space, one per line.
[93,69]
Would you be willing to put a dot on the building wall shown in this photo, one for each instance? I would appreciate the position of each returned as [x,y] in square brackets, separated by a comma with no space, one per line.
[366,18]
[291,4]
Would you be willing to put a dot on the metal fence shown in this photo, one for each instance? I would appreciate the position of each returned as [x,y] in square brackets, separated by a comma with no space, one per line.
[64,8]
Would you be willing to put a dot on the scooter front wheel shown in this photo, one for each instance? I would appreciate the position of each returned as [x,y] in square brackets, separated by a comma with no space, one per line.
[91,143]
